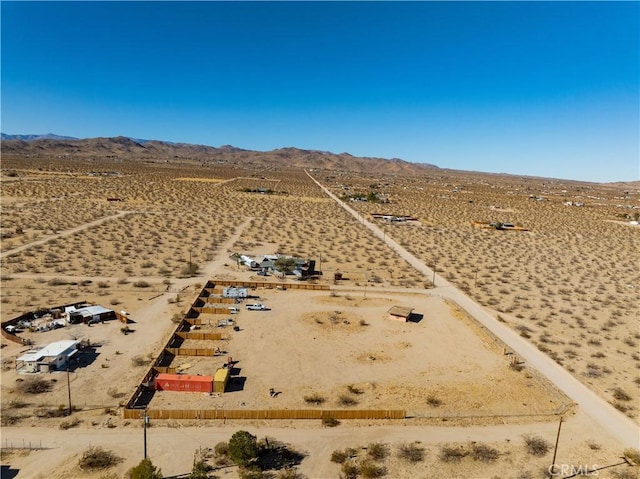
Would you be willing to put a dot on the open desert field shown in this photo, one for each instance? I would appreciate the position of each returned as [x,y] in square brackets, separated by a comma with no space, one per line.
[145,238]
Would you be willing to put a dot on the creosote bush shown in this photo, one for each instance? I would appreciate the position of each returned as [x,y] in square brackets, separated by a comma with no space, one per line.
[536,446]
[330,421]
[314,399]
[411,452]
[377,450]
[452,453]
[98,458]
[370,470]
[34,385]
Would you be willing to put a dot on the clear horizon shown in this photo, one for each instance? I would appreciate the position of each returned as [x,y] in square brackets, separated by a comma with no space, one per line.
[526,88]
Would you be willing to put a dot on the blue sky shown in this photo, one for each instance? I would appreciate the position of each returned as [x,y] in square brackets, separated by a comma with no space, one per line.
[542,88]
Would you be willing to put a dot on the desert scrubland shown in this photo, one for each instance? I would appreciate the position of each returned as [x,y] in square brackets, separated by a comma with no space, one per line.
[568,284]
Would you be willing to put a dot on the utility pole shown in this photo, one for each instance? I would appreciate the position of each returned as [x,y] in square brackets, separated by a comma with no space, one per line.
[434,274]
[69,390]
[555,450]
[146,421]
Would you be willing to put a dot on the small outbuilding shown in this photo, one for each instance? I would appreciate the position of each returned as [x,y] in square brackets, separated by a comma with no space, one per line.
[400,313]
[90,314]
[220,380]
[54,356]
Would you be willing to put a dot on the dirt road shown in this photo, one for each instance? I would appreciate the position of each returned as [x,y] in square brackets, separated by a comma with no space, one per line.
[68,232]
[172,448]
[612,420]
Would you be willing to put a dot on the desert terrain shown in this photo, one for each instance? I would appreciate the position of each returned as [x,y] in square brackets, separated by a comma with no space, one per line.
[145,237]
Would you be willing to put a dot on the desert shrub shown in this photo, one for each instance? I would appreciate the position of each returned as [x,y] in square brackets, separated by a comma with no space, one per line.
[9,419]
[345,400]
[452,453]
[141,284]
[625,474]
[330,421]
[114,301]
[633,455]
[314,399]
[34,385]
[288,473]
[17,404]
[338,456]
[145,470]
[369,470]
[411,452]
[354,390]
[536,446]
[252,472]
[60,411]
[139,361]
[200,469]
[349,470]
[433,401]
[70,423]
[243,448]
[483,452]
[190,270]
[221,449]
[620,394]
[98,458]
[377,450]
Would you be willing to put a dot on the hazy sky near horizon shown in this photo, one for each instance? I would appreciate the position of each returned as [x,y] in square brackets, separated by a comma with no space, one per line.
[532,88]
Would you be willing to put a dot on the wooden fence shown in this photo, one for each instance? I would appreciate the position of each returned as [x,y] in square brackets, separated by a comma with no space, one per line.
[217,299]
[270,285]
[207,414]
[201,336]
[192,352]
[210,310]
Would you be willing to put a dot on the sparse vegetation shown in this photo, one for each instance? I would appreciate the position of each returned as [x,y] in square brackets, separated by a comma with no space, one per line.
[98,458]
[34,385]
[314,399]
[537,446]
[411,452]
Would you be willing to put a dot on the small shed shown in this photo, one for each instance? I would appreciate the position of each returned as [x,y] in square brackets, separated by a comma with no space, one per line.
[184,382]
[53,356]
[400,313]
[220,380]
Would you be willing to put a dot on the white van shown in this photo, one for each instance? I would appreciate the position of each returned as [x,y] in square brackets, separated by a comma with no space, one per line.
[233,310]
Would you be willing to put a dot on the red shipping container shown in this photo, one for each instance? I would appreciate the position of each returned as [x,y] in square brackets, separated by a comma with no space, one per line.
[184,382]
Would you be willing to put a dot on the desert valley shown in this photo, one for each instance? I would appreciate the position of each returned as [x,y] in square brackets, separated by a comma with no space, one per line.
[513,293]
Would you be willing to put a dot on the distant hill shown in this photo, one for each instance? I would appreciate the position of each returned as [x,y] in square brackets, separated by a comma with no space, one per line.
[124,148]
[46,136]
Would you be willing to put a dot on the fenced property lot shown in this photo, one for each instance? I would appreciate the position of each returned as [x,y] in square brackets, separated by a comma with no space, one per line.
[317,352]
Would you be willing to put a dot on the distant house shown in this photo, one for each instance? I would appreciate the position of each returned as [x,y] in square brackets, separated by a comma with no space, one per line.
[400,313]
[51,357]
[90,314]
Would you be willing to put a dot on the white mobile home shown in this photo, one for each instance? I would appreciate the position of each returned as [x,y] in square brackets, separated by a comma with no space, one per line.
[53,356]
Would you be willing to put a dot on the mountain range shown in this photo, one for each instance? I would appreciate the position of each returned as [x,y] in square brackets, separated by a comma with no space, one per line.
[125,148]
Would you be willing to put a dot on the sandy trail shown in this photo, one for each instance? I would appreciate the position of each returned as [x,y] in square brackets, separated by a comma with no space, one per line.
[612,420]
[68,232]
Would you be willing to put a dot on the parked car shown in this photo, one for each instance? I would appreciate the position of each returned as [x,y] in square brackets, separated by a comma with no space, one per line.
[256,307]
[233,310]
